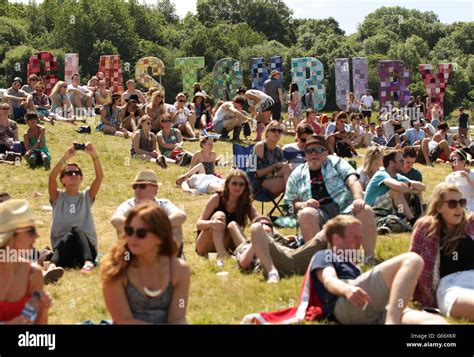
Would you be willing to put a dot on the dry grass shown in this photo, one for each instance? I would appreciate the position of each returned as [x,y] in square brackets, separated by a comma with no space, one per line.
[78,297]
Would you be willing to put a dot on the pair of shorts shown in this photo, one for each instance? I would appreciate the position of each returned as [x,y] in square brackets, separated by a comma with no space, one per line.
[375,314]
[326,212]
[451,287]
[266,105]
[367,114]
[434,155]
[290,261]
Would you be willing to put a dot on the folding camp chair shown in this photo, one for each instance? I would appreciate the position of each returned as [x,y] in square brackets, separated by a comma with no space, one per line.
[245,160]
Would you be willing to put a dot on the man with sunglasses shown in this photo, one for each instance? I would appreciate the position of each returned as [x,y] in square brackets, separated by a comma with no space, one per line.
[294,153]
[386,190]
[145,187]
[31,84]
[325,186]
[18,100]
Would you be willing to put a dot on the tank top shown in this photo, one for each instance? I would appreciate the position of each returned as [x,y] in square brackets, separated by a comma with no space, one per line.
[208,166]
[229,217]
[11,309]
[150,309]
[171,138]
[146,143]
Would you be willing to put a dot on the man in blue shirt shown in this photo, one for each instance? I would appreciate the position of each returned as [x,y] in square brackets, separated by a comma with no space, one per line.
[415,135]
[294,153]
[387,188]
[378,296]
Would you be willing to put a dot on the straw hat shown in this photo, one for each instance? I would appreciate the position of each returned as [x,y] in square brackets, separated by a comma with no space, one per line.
[146,176]
[14,215]
[199,94]
[274,73]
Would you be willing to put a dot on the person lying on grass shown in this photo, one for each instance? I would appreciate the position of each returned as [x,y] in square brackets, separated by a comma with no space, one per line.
[143,281]
[197,181]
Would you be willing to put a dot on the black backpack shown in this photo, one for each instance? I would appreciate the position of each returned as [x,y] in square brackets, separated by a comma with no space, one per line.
[342,149]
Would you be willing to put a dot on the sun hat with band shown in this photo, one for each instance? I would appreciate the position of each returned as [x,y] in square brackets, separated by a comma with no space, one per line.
[147,177]
[316,140]
[14,215]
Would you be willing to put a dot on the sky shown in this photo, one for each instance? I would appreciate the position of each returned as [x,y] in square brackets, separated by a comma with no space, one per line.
[350,13]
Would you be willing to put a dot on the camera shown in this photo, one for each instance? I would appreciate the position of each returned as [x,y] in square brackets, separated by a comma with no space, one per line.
[79,146]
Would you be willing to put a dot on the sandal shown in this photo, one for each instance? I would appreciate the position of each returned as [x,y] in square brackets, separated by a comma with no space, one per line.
[87,268]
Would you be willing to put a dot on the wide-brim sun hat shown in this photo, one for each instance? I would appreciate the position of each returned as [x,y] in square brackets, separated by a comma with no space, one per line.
[146,176]
[14,215]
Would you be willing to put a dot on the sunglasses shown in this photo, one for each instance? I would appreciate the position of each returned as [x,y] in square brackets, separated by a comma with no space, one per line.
[275,130]
[140,186]
[147,122]
[182,101]
[140,232]
[5,108]
[315,150]
[235,183]
[453,160]
[72,172]
[166,121]
[31,231]
[63,86]
[453,203]
[303,140]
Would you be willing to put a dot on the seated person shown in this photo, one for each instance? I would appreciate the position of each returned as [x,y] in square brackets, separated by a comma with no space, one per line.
[19,101]
[170,142]
[224,216]
[323,188]
[144,143]
[444,239]
[275,253]
[20,280]
[436,148]
[182,117]
[197,181]
[37,153]
[132,91]
[373,161]
[206,156]
[409,171]
[339,137]
[30,85]
[294,153]
[102,95]
[151,287]
[73,234]
[145,188]
[156,109]
[41,103]
[110,118]
[8,129]
[272,172]
[230,117]
[415,135]
[360,137]
[312,119]
[130,114]
[378,296]
[379,137]
[462,177]
[81,97]
[61,105]
[386,190]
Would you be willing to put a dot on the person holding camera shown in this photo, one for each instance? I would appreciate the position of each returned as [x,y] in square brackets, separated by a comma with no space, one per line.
[73,234]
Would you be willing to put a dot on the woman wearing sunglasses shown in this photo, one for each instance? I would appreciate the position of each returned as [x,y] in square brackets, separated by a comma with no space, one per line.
[41,103]
[130,114]
[445,240]
[143,281]
[156,109]
[224,217]
[20,278]
[462,177]
[272,173]
[170,141]
[110,118]
[61,105]
[73,234]
[144,143]
[8,129]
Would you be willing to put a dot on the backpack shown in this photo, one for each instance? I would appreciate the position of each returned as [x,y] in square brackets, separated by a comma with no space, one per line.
[342,149]
[394,223]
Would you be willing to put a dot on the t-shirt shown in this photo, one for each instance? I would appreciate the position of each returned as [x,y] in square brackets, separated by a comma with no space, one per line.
[19,94]
[271,87]
[261,96]
[7,133]
[376,186]
[126,206]
[332,128]
[70,211]
[317,129]
[222,114]
[344,270]
[367,101]
[414,135]
[463,120]
[293,154]
[414,175]
[464,186]
[182,116]
[379,140]
[318,188]
[462,258]
[27,89]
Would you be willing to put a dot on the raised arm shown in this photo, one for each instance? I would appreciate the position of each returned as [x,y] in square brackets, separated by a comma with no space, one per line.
[99,174]
[53,176]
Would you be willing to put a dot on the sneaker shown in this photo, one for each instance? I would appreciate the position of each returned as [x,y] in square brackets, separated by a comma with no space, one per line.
[383,230]
[220,263]
[87,268]
[162,161]
[273,277]
[47,163]
[53,275]
[32,161]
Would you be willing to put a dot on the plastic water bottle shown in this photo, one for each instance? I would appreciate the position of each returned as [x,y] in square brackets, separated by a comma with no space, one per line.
[31,309]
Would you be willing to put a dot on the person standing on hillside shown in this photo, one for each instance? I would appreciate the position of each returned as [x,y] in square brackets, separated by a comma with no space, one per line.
[274,88]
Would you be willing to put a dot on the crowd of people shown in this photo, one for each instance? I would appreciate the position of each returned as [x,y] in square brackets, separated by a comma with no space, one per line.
[339,209]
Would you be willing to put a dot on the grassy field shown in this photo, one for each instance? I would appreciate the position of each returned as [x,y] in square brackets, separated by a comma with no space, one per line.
[78,297]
